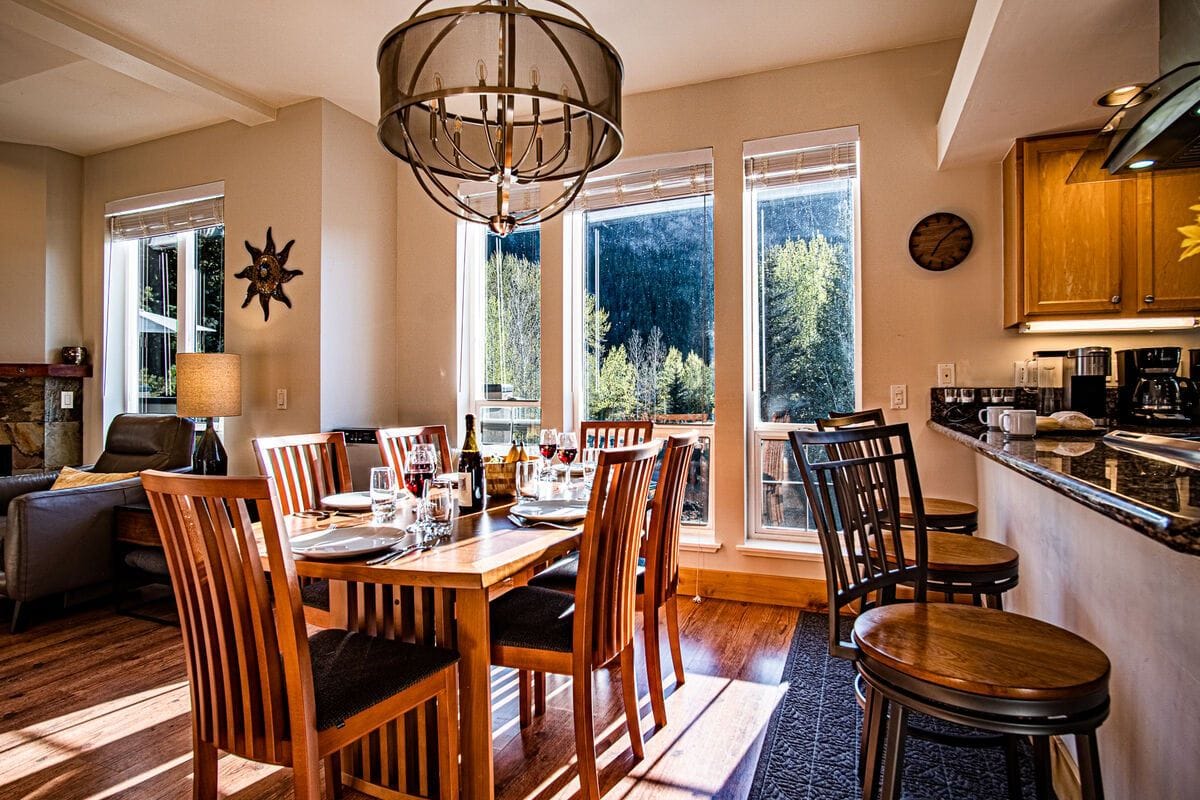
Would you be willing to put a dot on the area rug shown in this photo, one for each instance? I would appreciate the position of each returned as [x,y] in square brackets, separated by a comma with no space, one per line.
[811,747]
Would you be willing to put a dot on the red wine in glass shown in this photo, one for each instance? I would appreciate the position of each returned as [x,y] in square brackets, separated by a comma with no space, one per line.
[415,481]
[548,451]
[567,454]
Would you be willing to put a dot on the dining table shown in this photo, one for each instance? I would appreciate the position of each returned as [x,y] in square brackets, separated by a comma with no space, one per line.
[440,597]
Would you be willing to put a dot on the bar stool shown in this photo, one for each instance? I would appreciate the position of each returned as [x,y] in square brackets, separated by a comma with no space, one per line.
[981,667]
[951,516]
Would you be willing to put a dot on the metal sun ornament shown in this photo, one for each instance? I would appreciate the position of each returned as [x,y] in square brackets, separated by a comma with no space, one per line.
[500,92]
[267,274]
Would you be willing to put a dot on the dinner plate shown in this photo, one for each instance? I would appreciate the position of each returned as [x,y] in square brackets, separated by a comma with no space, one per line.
[346,542]
[551,510]
[348,501]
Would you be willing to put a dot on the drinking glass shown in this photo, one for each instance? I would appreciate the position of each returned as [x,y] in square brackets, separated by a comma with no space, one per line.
[587,460]
[383,495]
[547,446]
[527,476]
[420,469]
[440,506]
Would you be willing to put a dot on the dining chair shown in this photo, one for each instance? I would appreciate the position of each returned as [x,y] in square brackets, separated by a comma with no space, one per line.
[982,667]
[396,443]
[261,688]
[615,433]
[305,468]
[661,563]
[534,629]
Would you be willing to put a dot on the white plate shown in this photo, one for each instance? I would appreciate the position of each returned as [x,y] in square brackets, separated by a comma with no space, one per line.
[348,501]
[346,542]
[551,510]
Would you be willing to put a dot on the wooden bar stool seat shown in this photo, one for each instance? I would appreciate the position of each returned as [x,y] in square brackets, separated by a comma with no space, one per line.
[951,516]
[964,565]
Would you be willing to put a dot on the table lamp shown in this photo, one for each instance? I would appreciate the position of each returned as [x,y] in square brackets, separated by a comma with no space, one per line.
[209,385]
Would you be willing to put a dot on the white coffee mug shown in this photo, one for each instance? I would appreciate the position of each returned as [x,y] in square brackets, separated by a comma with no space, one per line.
[1019,423]
[990,416]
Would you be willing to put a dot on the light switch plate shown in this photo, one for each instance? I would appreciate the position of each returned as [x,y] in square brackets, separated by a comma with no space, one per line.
[945,374]
[899,395]
[281,399]
[67,400]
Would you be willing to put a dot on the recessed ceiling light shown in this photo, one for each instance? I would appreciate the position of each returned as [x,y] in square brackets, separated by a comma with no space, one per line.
[1129,95]
[1145,162]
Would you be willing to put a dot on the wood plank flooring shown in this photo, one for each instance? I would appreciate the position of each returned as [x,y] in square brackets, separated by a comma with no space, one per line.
[96,706]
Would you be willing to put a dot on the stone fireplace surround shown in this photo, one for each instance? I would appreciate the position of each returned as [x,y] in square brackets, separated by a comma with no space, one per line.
[42,434]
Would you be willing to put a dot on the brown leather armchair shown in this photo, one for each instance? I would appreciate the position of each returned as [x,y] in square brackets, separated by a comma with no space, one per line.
[60,541]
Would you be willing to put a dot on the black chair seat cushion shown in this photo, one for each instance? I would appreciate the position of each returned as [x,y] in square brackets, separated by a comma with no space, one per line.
[534,617]
[561,577]
[353,671]
[315,594]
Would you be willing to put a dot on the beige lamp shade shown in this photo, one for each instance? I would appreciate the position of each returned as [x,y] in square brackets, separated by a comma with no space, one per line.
[208,384]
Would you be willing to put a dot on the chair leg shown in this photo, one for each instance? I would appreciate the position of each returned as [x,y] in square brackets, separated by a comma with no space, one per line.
[629,692]
[333,776]
[585,735]
[672,606]
[539,694]
[893,765]
[1041,767]
[873,757]
[1090,783]
[658,702]
[523,698]
[1012,763]
[204,769]
[447,721]
[864,739]
[994,600]
[306,775]
[20,616]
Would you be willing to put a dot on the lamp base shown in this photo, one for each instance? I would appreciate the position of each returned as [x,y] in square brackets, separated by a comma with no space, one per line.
[210,458]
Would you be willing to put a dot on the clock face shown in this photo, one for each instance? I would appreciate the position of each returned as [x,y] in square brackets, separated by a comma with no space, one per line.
[941,241]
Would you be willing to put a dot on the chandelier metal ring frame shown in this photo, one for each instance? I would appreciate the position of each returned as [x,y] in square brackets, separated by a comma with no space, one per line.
[426,87]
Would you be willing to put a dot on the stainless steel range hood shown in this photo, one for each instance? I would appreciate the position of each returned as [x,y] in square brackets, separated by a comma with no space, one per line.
[1159,129]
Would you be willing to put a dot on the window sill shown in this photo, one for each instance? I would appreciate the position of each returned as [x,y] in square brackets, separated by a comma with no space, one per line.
[796,551]
[699,545]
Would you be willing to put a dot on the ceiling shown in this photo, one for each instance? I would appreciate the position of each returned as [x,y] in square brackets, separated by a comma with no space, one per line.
[250,56]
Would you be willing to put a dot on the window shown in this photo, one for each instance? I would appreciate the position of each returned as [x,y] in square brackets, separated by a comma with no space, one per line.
[171,260]
[642,237]
[801,210]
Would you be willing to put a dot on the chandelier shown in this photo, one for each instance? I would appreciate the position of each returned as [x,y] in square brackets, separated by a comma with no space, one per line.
[504,93]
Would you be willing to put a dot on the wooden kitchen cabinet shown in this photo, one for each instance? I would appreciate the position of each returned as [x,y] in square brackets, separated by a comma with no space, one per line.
[1164,283]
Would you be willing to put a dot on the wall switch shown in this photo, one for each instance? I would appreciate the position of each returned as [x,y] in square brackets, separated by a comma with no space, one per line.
[67,400]
[945,374]
[1020,375]
[281,399]
[899,395]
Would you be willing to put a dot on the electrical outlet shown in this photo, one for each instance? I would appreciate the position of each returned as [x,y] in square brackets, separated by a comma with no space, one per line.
[281,399]
[945,374]
[899,395]
[67,400]
[1020,375]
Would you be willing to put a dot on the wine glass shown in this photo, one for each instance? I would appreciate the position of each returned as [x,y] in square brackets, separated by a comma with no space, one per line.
[420,468]
[568,448]
[547,446]
[383,495]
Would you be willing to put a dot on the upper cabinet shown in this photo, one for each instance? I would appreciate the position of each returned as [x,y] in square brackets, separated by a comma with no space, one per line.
[1093,250]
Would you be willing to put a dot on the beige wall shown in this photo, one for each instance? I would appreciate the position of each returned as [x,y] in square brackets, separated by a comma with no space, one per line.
[40,190]
[911,319]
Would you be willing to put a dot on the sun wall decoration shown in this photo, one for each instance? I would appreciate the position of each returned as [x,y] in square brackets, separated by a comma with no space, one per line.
[1191,236]
[267,275]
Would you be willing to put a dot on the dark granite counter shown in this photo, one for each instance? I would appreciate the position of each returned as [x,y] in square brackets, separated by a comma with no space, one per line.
[1156,499]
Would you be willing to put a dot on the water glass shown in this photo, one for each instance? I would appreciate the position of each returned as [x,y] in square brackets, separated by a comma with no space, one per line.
[439,507]
[528,475]
[384,488]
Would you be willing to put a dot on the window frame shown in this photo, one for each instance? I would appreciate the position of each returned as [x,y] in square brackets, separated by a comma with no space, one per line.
[758,432]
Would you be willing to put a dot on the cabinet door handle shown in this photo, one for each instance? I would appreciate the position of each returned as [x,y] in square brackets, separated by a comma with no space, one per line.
[1149,298]
[1116,299]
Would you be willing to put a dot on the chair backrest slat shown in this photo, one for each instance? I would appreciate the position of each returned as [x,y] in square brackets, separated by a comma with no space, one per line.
[605,598]
[305,467]
[666,518]
[854,498]
[615,433]
[396,443]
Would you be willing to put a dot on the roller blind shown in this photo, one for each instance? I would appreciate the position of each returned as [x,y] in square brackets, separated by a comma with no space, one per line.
[646,186]
[801,166]
[206,213]
[522,198]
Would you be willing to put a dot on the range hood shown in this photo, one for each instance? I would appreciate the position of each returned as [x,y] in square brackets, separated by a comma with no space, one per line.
[1159,128]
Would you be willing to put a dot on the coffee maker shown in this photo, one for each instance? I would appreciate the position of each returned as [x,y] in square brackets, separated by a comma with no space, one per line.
[1151,392]
[1085,378]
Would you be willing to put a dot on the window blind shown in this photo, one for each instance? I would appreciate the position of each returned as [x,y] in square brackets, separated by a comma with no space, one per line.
[522,198]
[206,213]
[806,165]
[646,186]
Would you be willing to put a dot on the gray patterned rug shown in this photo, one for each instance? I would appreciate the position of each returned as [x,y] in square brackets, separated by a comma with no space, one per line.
[811,746]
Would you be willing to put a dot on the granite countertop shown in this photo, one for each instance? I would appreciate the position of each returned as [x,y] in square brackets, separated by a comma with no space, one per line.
[1156,499]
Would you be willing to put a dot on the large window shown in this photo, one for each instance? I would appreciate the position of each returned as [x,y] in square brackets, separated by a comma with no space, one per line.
[801,197]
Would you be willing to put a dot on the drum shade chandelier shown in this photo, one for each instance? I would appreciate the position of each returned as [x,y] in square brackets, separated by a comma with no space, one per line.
[503,92]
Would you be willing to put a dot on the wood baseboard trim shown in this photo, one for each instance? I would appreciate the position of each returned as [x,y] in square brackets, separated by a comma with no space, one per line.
[748,587]
[1063,771]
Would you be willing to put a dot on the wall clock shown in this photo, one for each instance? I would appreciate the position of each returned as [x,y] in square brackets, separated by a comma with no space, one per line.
[940,241]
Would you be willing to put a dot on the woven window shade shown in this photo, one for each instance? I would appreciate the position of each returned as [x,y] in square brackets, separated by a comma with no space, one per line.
[523,198]
[206,213]
[796,167]
[646,187]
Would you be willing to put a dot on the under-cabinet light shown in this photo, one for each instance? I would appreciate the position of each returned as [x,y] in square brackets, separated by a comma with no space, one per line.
[1112,325]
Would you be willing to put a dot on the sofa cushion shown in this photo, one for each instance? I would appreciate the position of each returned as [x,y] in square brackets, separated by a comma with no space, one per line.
[71,478]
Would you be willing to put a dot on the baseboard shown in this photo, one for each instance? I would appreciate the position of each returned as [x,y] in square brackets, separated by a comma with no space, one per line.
[1063,770]
[749,587]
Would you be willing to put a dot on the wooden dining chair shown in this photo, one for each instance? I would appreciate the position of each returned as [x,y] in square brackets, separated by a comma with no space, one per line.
[661,564]
[261,688]
[396,443]
[615,433]
[980,667]
[535,629]
[305,468]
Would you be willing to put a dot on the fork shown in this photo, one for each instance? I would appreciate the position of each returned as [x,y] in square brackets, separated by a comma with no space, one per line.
[527,523]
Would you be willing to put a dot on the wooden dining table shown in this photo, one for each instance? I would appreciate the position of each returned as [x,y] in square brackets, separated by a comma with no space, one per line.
[439,596]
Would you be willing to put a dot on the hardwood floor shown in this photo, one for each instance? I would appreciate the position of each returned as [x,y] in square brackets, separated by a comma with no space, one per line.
[95,706]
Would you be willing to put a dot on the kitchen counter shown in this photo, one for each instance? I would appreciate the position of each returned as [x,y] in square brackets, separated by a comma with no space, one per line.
[1156,499]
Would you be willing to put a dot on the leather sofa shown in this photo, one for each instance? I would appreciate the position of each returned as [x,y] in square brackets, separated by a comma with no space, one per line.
[56,542]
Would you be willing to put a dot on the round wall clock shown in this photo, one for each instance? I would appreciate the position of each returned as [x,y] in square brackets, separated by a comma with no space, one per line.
[941,241]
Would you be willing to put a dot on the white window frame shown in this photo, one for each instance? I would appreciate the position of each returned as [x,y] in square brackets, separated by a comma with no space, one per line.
[759,432]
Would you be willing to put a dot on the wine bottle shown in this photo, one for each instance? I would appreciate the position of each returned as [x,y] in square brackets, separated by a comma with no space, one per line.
[470,468]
